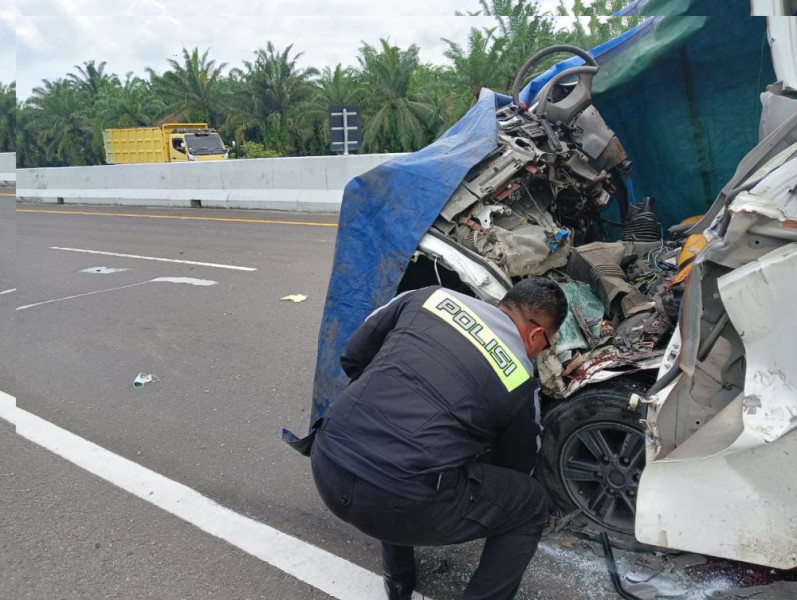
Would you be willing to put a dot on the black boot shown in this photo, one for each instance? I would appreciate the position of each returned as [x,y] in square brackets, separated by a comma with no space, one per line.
[399,587]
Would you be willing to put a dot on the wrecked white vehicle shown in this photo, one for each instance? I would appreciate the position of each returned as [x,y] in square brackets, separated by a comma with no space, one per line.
[701,461]
[722,419]
[530,208]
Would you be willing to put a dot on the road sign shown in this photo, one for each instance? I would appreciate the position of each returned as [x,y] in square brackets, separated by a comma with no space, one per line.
[345,134]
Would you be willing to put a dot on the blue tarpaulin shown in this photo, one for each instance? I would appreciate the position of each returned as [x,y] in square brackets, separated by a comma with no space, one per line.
[680,92]
[383,215]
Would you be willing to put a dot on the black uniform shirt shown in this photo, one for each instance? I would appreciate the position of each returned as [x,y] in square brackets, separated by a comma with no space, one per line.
[437,376]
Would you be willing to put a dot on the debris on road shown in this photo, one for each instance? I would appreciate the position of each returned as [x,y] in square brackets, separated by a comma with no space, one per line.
[141,379]
[103,270]
[294,298]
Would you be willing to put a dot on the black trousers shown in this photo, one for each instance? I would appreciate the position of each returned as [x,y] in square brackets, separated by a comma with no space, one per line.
[506,507]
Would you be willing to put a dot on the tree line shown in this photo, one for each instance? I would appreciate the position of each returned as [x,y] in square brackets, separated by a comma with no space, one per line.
[271,106]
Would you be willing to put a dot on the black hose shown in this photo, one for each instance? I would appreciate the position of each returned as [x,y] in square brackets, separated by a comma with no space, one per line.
[642,227]
[541,54]
[612,566]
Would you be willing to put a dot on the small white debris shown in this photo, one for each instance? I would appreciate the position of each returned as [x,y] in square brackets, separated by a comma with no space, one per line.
[103,270]
[295,298]
[188,280]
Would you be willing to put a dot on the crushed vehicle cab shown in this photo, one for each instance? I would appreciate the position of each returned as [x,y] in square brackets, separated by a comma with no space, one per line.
[539,184]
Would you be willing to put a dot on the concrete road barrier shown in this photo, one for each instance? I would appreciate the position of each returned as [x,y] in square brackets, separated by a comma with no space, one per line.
[311,184]
[8,168]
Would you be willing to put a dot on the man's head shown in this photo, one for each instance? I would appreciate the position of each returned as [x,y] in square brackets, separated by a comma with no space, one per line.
[538,308]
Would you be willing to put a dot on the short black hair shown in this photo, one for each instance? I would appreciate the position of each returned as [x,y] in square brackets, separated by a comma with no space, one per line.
[538,296]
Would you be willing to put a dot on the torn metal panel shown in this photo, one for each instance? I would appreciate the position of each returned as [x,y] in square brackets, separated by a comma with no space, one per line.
[736,502]
[723,428]
[599,364]
[485,283]
[759,299]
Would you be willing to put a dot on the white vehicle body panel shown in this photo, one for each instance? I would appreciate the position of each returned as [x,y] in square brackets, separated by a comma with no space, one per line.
[759,298]
[483,283]
[783,44]
[728,486]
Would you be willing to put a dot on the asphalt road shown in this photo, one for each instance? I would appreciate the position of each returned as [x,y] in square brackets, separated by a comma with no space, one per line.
[7,300]
[234,364]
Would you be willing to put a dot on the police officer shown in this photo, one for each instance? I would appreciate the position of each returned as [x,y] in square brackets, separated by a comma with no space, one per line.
[434,439]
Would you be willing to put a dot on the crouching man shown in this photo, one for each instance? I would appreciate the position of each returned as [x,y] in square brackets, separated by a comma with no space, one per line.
[433,441]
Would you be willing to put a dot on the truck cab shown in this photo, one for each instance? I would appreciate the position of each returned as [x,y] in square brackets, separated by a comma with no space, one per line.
[195,144]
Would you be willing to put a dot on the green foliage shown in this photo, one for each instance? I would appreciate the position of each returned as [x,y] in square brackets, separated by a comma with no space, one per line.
[193,90]
[600,26]
[256,150]
[397,115]
[8,112]
[267,93]
[275,106]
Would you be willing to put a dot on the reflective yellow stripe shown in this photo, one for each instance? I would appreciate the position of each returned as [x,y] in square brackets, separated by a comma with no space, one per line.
[505,364]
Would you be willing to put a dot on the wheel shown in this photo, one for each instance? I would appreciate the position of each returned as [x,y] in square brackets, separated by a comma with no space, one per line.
[593,453]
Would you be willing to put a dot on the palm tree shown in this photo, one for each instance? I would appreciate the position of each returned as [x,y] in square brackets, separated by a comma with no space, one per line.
[338,87]
[130,105]
[92,80]
[272,87]
[480,65]
[598,30]
[397,117]
[524,30]
[63,124]
[192,90]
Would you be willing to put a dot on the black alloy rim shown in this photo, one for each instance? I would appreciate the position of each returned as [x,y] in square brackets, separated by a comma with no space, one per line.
[600,465]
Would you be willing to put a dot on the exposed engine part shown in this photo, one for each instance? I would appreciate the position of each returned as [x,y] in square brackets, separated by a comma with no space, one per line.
[600,265]
[597,140]
[529,207]
[643,224]
[541,190]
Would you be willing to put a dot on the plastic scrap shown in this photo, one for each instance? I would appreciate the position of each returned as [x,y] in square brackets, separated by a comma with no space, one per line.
[294,298]
[141,379]
[648,586]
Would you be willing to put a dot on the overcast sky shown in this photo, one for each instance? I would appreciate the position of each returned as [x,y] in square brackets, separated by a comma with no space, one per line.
[52,36]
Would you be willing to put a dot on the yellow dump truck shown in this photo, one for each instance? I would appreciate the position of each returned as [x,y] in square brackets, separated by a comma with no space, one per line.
[170,142]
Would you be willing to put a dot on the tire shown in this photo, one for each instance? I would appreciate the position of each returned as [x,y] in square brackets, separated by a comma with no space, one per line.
[593,452]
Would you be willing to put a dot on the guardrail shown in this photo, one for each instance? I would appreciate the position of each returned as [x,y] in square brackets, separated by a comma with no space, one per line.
[8,167]
[309,184]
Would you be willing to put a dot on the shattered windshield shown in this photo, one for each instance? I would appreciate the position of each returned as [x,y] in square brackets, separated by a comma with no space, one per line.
[199,144]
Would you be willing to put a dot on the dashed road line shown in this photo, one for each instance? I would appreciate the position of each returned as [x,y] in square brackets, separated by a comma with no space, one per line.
[156,258]
[8,291]
[322,570]
[27,306]
[188,280]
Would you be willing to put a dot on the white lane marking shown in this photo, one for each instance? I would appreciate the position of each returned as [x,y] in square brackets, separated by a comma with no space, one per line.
[323,570]
[8,407]
[156,258]
[80,295]
[103,270]
[8,291]
[188,280]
